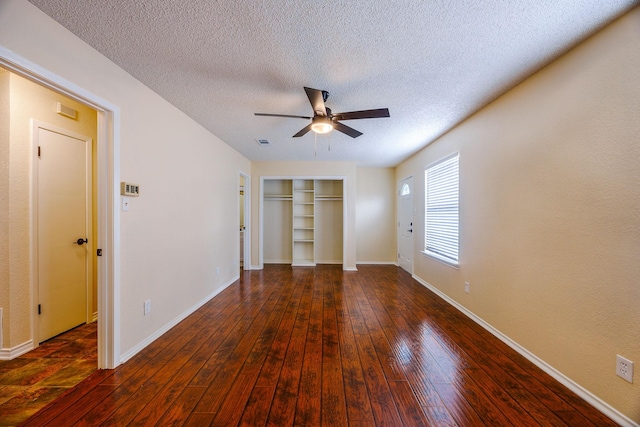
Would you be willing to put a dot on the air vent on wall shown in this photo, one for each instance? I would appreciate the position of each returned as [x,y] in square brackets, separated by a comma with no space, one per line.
[263,142]
[66,111]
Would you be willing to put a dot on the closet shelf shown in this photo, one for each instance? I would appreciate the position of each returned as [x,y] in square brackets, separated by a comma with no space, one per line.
[277,199]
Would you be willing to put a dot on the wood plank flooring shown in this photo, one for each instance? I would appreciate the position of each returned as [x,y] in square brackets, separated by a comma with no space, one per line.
[319,346]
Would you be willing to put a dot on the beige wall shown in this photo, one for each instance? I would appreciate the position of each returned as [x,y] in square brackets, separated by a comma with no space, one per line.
[549,222]
[307,170]
[185,222]
[30,101]
[4,204]
[376,216]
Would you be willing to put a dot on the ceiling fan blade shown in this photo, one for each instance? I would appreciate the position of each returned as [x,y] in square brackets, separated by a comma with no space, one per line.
[316,100]
[364,114]
[282,115]
[303,131]
[346,130]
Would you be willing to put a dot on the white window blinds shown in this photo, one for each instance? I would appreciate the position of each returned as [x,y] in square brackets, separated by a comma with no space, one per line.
[441,209]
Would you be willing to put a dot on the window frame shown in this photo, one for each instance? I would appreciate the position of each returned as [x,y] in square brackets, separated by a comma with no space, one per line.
[453,262]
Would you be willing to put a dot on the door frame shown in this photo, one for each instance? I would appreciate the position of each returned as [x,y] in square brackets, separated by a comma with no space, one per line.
[399,198]
[35,198]
[247,220]
[108,215]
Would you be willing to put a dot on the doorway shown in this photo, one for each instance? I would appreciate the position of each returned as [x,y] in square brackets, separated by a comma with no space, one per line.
[244,207]
[62,226]
[405,224]
[107,214]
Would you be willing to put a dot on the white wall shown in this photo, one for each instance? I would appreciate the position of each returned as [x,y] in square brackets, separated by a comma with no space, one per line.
[549,222]
[185,222]
[376,216]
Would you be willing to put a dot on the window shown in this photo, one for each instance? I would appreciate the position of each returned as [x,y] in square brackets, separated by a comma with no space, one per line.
[406,190]
[441,210]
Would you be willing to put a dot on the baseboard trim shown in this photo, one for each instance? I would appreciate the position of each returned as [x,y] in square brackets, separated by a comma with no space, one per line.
[135,350]
[377,263]
[12,353]
[585,394]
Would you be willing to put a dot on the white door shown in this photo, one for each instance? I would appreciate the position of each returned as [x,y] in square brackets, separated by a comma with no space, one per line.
[63,190]
[405,224]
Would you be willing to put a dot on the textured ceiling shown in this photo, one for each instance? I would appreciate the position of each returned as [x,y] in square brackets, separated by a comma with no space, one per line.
[432,63]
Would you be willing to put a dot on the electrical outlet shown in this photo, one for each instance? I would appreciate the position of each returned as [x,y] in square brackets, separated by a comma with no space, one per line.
[217,271]
[467,287]
[147,307]
[624,368]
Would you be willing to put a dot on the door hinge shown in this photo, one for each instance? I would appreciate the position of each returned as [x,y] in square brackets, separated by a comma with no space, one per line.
[99,252]
[38,151]
[39,309]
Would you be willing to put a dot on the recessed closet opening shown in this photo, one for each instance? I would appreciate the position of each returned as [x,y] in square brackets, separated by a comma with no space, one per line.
[303,220]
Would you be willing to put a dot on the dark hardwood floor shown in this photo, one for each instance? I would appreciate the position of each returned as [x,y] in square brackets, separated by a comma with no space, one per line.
[320,346]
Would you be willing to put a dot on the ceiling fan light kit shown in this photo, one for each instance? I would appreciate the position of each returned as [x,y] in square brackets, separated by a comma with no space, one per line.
[321,125]
[324,121]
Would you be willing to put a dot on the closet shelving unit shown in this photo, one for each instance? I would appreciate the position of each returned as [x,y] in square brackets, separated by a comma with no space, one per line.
[303,240]
[303,221]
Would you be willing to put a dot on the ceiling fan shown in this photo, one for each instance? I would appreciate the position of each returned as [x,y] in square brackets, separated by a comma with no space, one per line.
[324,121]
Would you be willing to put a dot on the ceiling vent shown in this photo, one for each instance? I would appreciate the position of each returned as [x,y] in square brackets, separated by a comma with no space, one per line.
[263,142]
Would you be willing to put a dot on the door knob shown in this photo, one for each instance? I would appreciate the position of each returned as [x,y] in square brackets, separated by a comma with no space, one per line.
[81,241]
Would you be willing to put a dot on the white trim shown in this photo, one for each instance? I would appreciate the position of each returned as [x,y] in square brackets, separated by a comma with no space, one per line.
[108,153]
[585,394]
[377,263]
[12,353]
[440,259]
[157,334]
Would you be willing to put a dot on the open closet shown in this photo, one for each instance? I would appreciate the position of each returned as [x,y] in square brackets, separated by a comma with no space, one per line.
[303,221]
